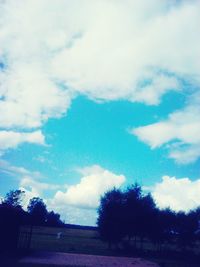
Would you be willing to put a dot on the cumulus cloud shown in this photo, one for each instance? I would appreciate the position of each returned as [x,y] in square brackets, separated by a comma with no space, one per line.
[76,203]
[52,51]
[74,215]
[179,194]
[12,139]
[29,181]
[181,130]
[94,182]
[29,99]
[104,59]
[34,188]
[151,92]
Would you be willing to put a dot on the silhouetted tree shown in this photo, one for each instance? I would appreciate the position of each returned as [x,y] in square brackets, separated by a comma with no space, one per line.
[111,217]
[11,217]
[187,224]
[132,202]
[14,198]
[53,219]
[196,214]
[139,213]
[38,211]
[133,214]
[146,217]
[163,227]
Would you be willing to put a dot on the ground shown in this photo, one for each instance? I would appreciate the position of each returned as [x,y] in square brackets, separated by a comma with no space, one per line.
[85,260]
[79,247]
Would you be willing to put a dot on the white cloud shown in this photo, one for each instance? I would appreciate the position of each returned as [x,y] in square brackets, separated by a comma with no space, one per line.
[178,194]
[185,155]
[37,187]
[74,215]
[115,54]
[15,171]
[151,93]
[28,181]
[53,51]
[100,58]
[87,193]
[34,188]
[12,139]
[29,194]
[76,203]
[181,130]
[30,98]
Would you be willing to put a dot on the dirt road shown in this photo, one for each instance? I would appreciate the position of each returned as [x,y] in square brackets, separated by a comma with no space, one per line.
[63,259]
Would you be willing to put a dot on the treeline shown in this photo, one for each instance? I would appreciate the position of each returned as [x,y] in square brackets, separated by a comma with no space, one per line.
[130,217]
[12,216]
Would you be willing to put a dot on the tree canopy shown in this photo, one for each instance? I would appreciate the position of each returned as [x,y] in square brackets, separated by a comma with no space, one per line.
[14,198]
[131,214]
[12,216]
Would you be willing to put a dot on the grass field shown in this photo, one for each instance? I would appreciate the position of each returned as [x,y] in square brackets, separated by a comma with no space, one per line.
[78,241]
[70,240]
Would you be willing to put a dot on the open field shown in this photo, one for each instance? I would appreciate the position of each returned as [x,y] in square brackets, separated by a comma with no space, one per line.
[79,241]
[70,240]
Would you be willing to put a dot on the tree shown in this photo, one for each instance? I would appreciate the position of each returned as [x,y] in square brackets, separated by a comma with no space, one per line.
[38,211]
[146,216]
[186,225]
[134,214]
[132,198]
[53,219]
[196,215]
[14,198]
[110,217]
[11,217]
[163,227]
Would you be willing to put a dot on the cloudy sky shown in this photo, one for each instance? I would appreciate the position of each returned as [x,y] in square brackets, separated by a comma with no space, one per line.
[96,94]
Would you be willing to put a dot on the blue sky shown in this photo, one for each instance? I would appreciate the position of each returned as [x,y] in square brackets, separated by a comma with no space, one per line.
[87,105]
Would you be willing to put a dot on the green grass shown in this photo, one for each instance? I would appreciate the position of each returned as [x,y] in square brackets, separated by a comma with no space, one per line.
[72,240]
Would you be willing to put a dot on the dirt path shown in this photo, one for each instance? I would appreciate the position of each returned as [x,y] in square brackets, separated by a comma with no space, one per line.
[58,258]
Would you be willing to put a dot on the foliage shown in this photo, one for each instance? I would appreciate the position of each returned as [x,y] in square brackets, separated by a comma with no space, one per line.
[12,216]
[132,208]
[38,211]
[53,219]
[131,214]
[110,219]
[14,198]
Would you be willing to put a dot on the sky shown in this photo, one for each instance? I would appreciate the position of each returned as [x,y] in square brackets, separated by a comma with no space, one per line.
[96,94]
